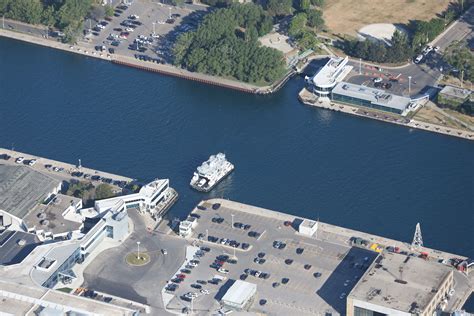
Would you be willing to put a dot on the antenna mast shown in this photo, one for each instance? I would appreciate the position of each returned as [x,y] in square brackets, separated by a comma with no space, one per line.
[417,239]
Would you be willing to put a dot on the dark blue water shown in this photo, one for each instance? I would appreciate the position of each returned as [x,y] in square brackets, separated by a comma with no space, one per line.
[348,171]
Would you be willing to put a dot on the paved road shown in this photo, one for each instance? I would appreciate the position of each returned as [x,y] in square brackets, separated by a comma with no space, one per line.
[109,273]
[461,30]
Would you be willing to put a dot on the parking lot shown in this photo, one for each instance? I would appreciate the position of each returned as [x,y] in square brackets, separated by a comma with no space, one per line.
[144,29]
[307,275]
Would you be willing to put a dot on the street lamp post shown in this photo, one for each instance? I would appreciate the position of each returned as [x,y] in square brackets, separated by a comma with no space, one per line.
[170,13]
[138,250]
[409,85]
[154,32]
[207,234]
[360,66]
[232,215]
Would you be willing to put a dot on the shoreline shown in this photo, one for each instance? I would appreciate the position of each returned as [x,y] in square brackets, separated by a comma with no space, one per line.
[164,69]
[412,123]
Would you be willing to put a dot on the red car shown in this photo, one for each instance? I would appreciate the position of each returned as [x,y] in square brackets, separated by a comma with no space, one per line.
[181,276]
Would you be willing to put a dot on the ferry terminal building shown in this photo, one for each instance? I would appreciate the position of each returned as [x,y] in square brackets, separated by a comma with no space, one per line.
[328,84]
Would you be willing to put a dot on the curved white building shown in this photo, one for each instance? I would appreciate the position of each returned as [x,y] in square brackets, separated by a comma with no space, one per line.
[329,75]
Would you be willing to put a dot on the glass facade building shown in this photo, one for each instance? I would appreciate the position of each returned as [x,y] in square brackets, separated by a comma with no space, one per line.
[361,102]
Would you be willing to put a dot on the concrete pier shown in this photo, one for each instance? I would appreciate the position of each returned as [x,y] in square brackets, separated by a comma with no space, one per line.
[306,97]
[341,237]
[68,168]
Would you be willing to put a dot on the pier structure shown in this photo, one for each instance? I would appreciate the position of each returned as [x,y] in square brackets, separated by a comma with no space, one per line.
[347,271]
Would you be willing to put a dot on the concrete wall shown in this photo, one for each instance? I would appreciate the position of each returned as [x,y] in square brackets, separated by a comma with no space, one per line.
[351,303]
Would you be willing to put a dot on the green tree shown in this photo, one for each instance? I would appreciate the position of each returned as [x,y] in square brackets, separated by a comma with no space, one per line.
[279,7]
[225,44]
[47,17]
[297,24]
[103,191]
[319,3]
[307,40]
[303,5]
[315,19]
[109,10]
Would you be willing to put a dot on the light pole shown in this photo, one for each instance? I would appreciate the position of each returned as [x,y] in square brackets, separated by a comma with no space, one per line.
[153,28]
[360,66]
[207,234]
[232,215]
[170,13]
[3,21]
[409,85]
[138,250]
[192,300]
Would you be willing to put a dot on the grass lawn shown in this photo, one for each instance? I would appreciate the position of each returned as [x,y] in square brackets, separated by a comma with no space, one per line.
[348,16]
[134,260]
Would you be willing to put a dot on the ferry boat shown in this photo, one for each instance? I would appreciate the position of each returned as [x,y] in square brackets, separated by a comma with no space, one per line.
[211,172]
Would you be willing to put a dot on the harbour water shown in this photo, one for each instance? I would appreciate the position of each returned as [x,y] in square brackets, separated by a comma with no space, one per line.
[348,171]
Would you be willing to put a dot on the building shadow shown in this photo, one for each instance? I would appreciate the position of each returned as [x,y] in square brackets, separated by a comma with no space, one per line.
[345,276]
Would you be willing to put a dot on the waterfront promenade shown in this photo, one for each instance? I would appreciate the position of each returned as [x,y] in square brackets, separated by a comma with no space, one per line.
[308,98]
[164,69]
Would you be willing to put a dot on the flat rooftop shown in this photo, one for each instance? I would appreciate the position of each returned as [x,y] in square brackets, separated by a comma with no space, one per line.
[239,292]
[51,218]
[422,277]
[455,92]
[373,95]
[15,246]
[57,255]
[330,72]
[22,188]
[20,299]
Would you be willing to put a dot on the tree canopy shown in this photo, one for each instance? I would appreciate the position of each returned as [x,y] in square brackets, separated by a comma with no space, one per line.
[67,15]
[226,45]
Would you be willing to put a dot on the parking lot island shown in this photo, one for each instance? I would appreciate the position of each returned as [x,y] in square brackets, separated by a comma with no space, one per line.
[304,265]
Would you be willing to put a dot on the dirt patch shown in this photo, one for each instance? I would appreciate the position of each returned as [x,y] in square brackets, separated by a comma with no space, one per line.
[348,16]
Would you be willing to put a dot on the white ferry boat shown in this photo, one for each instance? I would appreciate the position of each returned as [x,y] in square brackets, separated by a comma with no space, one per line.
[211,172]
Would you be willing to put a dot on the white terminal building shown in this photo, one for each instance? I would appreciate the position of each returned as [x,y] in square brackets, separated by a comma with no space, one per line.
[328,84]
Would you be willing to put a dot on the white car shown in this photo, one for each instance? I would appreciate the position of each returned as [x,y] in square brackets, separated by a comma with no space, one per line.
[205,292]
[418,59]
[19,160]
[377,80]
[223,271]
[164,251]
[129,29]
[436,49]
[191,294]
[192,264]
[32,162]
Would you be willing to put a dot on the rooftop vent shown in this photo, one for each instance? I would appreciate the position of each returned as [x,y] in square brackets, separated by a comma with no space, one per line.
[21,242]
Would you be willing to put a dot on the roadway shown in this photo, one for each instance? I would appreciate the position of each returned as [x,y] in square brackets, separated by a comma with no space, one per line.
[460,30]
